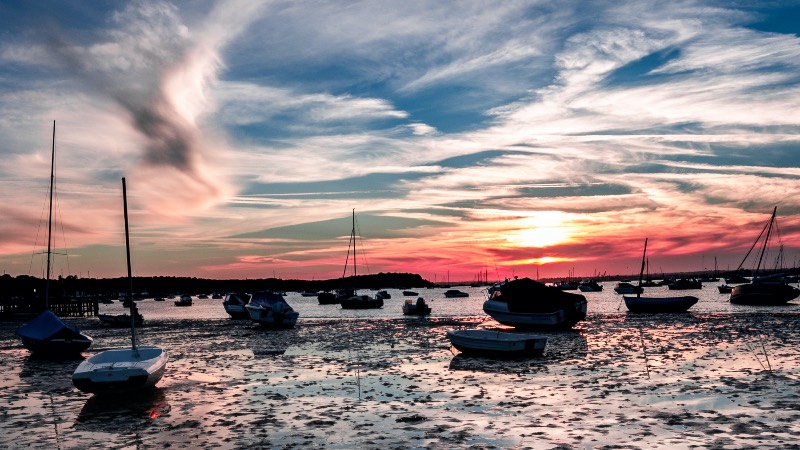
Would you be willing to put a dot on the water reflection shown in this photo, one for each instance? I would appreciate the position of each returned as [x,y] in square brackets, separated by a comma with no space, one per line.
[560,346]
[107,412]
[48,375]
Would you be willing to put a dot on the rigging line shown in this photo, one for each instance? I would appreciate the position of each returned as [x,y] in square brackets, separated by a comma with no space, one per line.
[754,244]
[644,352]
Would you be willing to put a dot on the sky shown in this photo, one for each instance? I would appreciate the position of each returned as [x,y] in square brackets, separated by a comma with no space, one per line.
[472,139]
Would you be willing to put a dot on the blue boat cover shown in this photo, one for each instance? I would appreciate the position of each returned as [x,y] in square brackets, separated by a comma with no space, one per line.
[45,326]
[266,299]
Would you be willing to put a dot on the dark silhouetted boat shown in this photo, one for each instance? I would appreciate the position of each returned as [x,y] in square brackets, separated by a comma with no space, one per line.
[525,303]
[655,305]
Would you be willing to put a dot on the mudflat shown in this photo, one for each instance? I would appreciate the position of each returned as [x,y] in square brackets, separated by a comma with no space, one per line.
[616,381]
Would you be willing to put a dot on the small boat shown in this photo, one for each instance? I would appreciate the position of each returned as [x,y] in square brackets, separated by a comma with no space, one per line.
[121,320]
[327,298]
[590,286]
[47,335]
[158,299]
[185,300]
[725,289]
[383,294]
[216,296]
[498,344]
[685,284]
[202,297]
[763,290]
[361,302]
[410,293]
[418,308]
[525,303]
[654,305]
[353,300]
[454,293]
[566,285]
[235,303]
[270,310]
[122,370]
[309,294]
[623,287]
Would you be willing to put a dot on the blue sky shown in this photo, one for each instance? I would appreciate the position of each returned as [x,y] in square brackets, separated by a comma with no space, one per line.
[518,136]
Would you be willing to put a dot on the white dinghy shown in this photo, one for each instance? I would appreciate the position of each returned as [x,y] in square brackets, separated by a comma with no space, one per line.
[122,370]
[497,344]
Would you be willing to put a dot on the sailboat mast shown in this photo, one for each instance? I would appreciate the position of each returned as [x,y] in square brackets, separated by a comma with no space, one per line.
[128,253]
[641,271]
[766,239]
[353,237]
[50,220]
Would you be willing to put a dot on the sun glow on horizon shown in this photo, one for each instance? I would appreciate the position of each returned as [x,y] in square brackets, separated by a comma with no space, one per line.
[541,229]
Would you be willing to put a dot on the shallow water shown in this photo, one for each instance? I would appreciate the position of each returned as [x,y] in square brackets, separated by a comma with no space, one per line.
[721,376]
[606,301]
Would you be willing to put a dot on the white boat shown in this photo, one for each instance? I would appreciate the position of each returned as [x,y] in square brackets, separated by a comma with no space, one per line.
[496,343]
[185,300]
[47,335]
[122,370]
[270,310]
[235,303]
[525,303]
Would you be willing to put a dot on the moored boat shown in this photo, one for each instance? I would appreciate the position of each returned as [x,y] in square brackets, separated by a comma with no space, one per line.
[525,303]
[455,293]
[270,310]
[185,300]
[654,305]
[234,304]
[498,344]
[122,370]
[418,308]
[361,302]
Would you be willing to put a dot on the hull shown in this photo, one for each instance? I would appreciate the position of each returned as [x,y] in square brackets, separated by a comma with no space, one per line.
[496,343]
[555,320]
[415,310]
[236,311]
[49,336]
[763,294]
[121,370]
[327,298]
[120,320]
[455,294]
[654,305]
[270,319]
[361,302]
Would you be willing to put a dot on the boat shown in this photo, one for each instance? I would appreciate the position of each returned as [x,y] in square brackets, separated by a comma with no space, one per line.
[47,335]
[309,294]
[234,304]
[202,297]
[674,304]
[566,285]
[270,310]
[418,308]
[763,290]
[683,284]
[122,370]
[356,301]
[590,286]
[498,344]
[455,293]
[725,289]
[327,298]
[185,300]
[623,287]
[122,320]
[410,293]
[525,303]
[383,294]
[158,299]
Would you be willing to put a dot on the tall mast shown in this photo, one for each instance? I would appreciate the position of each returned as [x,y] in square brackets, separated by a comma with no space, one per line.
[766,239]
[50,220]
[641,271]
[353,236]
[128,253]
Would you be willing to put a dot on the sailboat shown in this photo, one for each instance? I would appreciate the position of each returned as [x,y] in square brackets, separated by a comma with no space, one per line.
[641,304]
[356,301]
[764,290]
[47,335]
[122,370]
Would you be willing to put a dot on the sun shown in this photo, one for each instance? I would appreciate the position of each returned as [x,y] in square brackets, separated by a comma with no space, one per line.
[543,229]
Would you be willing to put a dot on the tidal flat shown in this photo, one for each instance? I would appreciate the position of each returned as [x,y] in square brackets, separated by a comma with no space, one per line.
[696,380]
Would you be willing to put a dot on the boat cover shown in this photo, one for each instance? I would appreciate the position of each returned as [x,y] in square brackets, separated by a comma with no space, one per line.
[527,295]
[47,326]
[267,299]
